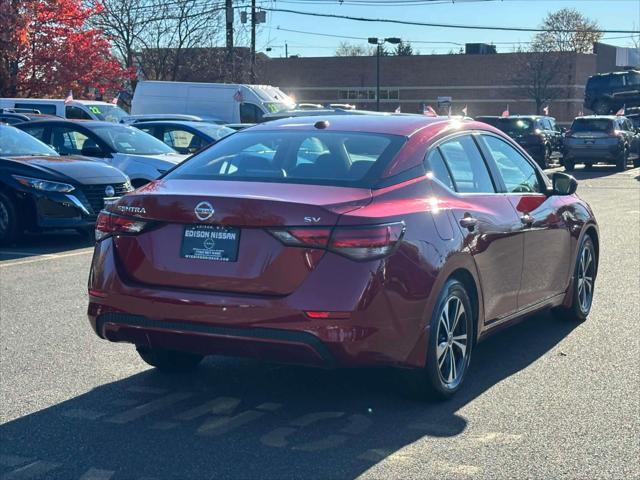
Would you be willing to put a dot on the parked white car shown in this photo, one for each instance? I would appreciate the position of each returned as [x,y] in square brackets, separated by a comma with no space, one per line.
[74,110]
[229,102]
[139,155]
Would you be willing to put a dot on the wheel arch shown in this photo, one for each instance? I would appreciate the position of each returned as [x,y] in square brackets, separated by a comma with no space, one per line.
[465,277]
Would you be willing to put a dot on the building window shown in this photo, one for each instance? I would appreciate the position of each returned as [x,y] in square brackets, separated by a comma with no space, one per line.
[368,94]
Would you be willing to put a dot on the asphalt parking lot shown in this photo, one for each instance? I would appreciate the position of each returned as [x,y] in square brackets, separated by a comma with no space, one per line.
[545,399]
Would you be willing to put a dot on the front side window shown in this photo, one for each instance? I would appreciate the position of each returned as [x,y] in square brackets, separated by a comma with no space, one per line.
[467,167]
[75,113]
[106,112]
[250,113]
[518,174]
[67,141]
[324,158]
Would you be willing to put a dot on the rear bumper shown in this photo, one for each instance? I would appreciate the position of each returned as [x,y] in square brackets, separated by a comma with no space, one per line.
[592,152]
[271,328]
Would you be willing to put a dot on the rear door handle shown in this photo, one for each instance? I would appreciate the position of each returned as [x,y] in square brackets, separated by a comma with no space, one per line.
[527,219]
[468,222]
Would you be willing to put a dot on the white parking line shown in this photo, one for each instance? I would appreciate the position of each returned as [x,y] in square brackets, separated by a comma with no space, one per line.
[97,474]
[33,470]
[141,410]
[40,258]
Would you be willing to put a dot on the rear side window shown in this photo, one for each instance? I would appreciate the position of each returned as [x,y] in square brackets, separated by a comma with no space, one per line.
[316,157]
[250,113]
[46,108]
[435,163]
[467,167]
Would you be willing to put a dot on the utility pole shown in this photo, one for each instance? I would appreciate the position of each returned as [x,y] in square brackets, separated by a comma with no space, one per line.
[229,21]
[378,47]
[253,42]
[286,50]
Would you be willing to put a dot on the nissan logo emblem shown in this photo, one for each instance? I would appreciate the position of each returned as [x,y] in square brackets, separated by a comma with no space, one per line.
[204,211]
[109,191]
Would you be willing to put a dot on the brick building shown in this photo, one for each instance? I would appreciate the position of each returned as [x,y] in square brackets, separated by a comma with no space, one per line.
[485,83]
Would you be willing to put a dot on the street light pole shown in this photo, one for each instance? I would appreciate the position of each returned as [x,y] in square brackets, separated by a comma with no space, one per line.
[378,77]
[379,42]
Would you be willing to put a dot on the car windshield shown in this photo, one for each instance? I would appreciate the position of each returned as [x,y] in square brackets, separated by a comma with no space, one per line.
[131,140]
[107,113]
[515,126]
[215,131]
[591,125]
[16,143]
[315,157]
[275,107]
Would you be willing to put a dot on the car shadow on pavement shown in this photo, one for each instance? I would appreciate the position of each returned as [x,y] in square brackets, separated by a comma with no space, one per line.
[596,171]
[49,243]
[243,419]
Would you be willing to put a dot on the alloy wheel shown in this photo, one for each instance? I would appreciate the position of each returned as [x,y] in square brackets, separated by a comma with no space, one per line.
[453,341]
[586,270]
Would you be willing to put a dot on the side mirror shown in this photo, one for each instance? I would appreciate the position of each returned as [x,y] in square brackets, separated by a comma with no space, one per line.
[564,184]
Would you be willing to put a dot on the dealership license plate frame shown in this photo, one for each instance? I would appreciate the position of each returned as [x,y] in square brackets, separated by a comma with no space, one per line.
[209,246]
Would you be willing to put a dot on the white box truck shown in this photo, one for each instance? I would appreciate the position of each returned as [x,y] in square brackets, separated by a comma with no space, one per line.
[229,102]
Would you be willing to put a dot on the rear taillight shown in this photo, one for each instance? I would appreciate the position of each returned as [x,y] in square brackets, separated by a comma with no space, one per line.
[358,243]
[108,224]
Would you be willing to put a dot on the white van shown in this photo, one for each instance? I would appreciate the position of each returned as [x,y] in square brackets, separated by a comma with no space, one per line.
[229,102]
[74,110]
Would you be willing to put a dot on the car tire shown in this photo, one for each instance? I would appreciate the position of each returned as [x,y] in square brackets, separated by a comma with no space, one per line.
[601,107]
[169,361]
[586,268]
[10,229]
[449,347]
[545,158]
[621,160]
[569,165]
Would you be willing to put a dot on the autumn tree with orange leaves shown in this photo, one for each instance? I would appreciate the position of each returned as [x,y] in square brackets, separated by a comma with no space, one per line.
[47,49]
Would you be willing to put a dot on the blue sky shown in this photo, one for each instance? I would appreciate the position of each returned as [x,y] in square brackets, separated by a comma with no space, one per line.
[610,14]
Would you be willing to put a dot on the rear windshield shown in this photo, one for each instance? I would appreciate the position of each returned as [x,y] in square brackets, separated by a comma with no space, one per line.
[131,140]
[516,126]
[15,143]
[591,125]
[315,157]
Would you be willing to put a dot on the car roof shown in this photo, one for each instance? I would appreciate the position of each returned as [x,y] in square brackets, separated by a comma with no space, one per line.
[84,123]
[186,123]
[598,117]
[405,125]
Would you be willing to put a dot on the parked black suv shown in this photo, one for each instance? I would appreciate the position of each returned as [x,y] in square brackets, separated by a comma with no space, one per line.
[537,134]
[608,92]
[599,139]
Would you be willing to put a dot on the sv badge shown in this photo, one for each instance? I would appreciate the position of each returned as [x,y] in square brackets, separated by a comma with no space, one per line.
[312,219]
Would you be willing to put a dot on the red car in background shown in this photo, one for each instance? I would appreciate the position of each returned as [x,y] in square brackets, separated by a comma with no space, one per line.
[343,241]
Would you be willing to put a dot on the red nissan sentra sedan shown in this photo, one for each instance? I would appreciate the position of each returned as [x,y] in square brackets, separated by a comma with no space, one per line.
[343,241]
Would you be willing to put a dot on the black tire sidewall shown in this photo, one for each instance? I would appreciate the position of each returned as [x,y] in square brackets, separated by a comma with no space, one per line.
[13,226]
[441,390]
[577,311]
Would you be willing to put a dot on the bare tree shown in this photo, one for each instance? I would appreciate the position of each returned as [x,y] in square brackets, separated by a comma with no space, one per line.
[346,49]
[567,30]
[538,75]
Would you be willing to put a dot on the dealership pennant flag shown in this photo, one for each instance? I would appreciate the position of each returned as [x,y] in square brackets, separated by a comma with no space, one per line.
[581,113]
[115,99]
[398,110]
[506,112]
[69,98]
[620,113]
[238,96]
[546,110]
[429,111]
[465,111]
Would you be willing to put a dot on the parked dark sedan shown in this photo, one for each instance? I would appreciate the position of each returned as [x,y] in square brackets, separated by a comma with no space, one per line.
[185,137]
[599,139]
[39,189]
[14,117]
[343,241]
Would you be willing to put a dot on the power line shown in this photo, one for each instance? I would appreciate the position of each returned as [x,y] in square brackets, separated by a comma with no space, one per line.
[439,25]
